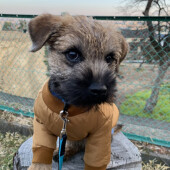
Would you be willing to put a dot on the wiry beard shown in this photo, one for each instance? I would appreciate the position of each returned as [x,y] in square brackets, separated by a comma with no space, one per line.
[75,90]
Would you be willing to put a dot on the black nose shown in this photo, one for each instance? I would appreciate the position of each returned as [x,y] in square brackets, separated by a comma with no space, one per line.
[97,89]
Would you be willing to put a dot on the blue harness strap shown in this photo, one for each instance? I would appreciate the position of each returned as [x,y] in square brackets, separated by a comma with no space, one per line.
[58,96]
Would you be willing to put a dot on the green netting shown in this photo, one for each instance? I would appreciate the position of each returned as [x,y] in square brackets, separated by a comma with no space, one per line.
[144,74]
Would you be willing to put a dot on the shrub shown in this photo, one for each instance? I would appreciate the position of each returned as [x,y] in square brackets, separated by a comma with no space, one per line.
[8,26]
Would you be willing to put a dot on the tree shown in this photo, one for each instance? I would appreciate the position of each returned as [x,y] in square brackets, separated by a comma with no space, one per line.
[161,46]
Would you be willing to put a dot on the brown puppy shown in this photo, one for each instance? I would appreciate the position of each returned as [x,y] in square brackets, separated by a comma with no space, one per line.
[84,58]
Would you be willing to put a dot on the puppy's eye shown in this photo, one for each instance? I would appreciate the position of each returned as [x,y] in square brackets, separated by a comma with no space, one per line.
[73,55]
[110,58]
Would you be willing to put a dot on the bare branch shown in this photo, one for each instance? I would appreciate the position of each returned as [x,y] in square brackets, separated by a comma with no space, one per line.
[159,13]
[148,6]
[151,29]
[166,6]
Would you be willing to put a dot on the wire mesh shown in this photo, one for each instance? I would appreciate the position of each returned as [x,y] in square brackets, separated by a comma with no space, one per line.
[145,71]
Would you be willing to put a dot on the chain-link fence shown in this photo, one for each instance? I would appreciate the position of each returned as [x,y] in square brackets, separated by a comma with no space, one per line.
[143,82]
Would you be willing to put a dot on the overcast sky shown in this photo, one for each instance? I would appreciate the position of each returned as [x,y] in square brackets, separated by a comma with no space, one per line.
[86,7]
[74,7]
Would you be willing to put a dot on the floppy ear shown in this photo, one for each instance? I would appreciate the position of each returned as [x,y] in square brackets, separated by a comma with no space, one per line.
[42,27]
[125,47]
[124,51]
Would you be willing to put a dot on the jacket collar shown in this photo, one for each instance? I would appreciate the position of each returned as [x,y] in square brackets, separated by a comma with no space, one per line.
[56,105]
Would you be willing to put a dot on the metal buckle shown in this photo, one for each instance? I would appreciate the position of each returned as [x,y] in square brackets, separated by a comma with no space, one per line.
[64,115]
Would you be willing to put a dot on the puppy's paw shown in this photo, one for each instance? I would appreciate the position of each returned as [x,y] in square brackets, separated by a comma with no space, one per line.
[68,154]
[56,155]
[39,166]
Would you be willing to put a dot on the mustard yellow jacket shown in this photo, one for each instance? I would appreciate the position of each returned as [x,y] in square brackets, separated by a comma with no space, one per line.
[95,125]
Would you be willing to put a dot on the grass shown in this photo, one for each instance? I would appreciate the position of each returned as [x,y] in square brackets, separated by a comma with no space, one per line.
[9,144]
[152,165]
[134,104]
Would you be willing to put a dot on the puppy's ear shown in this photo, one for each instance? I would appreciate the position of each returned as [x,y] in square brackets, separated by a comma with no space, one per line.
[42,27]
[124,50]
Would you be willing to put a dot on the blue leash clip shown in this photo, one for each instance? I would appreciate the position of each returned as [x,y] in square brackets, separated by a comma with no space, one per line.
[63,138]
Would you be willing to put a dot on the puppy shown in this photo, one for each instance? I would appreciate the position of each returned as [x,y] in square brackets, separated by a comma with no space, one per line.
[84,58]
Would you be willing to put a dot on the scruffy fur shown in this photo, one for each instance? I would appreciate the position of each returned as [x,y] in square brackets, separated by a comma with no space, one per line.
[94,42]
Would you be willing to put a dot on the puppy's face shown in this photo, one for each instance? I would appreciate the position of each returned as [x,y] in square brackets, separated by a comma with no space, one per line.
[84,57]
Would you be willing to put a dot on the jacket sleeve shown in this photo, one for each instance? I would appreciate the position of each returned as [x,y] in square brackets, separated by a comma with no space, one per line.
[98,150]
[98,144]
[115,115]
[44,143]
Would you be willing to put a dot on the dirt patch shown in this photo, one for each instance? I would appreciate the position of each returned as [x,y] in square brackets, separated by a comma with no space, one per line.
[22,72]
[20,119]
